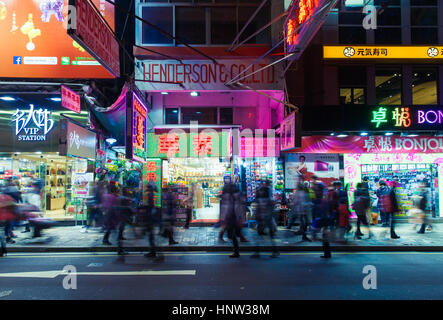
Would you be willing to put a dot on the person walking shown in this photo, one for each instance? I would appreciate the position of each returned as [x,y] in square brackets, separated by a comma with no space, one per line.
[169,207]
[388,206]
[7,214]
[230,211]
[361,206]
[301,209]
[111,204]
[265,218]
[189,205]
[150,219]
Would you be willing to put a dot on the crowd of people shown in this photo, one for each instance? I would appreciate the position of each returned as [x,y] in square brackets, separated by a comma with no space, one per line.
[321,212]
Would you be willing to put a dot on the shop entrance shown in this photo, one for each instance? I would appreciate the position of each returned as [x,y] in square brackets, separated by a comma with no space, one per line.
[65,181]
[408,179]
[206,176]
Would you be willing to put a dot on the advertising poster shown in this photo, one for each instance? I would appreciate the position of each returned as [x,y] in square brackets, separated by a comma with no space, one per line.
[38,45]
[303,166]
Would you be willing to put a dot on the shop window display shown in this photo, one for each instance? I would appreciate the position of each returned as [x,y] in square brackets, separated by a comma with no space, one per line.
[258,171]
[408,180]
[207,175]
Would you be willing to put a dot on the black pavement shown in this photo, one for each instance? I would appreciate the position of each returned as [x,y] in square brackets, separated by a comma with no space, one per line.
[207,276]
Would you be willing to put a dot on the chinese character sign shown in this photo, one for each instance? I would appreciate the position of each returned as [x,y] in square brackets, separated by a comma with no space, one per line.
[139,120]
[71,100]
[152,171]
[32,124]
[407,118]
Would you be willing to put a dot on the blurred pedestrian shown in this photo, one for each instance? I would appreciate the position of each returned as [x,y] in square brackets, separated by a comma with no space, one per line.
[301,209]
[189,205]
[13,191]
[111,204]
[96,211]
[7,214]
[388,206]
[34,198]
[169,209]
[150,219]
[361,206]
[230,199]
[265,218]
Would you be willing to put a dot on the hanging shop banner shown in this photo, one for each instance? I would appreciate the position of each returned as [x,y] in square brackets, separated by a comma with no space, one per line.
[290,132]
[205,75]
[136,120]
[302,167]
[207,143]
[152,174]
[312,13]
[71,99]
[88,29]
[35,43]
[383,52]
[77,141]
[371,144]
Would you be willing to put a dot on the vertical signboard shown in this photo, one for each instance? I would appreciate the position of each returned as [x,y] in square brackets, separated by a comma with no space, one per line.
[136,120]
[152,174]
[88,29]
[70,99]
[290,132]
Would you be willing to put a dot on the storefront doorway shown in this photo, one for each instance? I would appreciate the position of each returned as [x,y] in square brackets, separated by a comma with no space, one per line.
[407,179]
[65,180]
[206,175]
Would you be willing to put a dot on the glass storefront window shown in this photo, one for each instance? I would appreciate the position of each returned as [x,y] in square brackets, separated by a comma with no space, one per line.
[424,86]
[223,25]
[226,116]
[202,115]
[352,96]
[388,86]
[354,35]
[190,25]
[162,17]
[171,115]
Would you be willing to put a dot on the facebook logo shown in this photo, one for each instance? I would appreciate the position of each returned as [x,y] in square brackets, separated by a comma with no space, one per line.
[17,60]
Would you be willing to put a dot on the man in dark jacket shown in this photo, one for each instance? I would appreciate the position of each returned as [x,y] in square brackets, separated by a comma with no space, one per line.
[387,203]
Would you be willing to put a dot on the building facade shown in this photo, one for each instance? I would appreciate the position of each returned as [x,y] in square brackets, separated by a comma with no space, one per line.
[369,84]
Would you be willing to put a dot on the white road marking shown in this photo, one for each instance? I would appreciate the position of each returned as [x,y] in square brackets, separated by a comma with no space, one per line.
[54,273]
[5,293]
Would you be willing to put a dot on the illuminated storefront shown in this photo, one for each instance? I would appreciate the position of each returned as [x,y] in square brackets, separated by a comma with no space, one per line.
[199,160]
[40,142]
[406,163]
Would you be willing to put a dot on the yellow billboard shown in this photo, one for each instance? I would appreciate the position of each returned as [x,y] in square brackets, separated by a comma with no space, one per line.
[383,52]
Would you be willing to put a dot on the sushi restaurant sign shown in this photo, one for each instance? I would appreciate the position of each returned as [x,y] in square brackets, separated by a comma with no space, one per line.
[32,124]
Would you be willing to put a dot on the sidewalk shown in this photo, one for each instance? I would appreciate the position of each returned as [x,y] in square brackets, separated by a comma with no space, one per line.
[75,239]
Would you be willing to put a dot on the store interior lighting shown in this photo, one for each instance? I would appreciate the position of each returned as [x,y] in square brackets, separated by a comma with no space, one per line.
[389,133]
[56,99]
[111,141]
[195,94]
[364,134]
[342,136]
[165,93]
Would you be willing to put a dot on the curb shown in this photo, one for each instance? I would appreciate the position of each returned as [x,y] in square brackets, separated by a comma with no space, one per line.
[339,248]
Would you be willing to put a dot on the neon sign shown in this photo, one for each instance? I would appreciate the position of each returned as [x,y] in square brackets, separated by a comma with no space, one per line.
[305,10]
[407,117]
[139,128]
[37,130]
